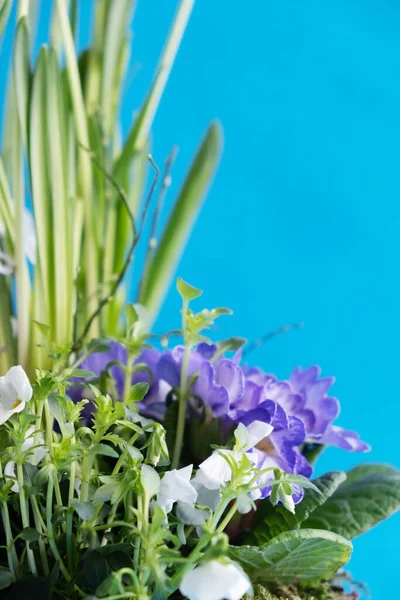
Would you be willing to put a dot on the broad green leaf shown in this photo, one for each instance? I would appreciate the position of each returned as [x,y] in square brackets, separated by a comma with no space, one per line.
[29,535]
[370,494]
[84,509]
[270,521]
[103,450]
[181,221]
[5,7]
[187,291]
[6,578]
[95,568]
[304,555]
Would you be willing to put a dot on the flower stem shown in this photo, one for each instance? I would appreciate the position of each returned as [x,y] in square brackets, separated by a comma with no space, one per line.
[25,517]
[180,428]
[41,527]
[136,555]
[12,557]
[50,532]
[228,518]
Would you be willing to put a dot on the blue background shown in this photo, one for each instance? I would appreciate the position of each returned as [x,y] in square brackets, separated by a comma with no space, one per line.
[302,221]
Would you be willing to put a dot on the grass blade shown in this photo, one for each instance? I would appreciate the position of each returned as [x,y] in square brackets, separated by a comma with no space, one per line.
[180,222]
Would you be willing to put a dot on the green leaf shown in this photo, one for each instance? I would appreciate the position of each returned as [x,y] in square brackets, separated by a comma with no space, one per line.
[170,424]
[187,291]
[181,221]
[84,509]
[96,568]
[270,521]
[104,450]
[6,578]
[29,535]
[304,554]
[5,8]
[21,73]
[138,391]
[370,494]
[231,344]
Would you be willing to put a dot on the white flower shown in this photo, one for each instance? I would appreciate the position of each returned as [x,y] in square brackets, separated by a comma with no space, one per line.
[215,581]
[15,392]
[175,486]
[215,470]
[34,457]
[150,480]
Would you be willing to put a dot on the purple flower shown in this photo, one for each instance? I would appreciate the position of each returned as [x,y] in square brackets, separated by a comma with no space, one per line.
[153,405]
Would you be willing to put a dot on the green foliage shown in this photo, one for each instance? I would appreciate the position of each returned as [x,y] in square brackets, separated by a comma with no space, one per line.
[370,494]
[270,521]
[88,187]
[305,554]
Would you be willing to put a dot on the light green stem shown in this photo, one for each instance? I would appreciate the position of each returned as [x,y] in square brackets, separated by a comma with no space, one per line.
[25,517]
[12,558]
[50,532]
[180,428]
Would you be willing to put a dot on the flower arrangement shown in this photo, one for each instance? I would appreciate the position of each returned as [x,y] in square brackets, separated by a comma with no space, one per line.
[131,467]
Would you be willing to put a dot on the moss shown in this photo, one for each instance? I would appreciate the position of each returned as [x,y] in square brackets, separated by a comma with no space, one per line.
[320,591]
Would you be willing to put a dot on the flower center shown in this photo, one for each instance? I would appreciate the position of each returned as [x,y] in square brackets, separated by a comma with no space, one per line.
[267,446]
[16,403]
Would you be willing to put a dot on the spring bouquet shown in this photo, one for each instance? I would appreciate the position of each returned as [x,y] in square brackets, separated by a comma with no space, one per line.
[135,465]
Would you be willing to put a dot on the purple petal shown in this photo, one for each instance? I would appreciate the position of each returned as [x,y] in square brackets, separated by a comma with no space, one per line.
[207,351]
[299,378]
[168,369]
[344,438]
[230,375]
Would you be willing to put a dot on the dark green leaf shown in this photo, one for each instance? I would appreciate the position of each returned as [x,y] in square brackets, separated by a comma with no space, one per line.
[95,568]
[370,494]
[270,521]
[84,509]
[170,424]
[6,578]
[304,555]
[29,588]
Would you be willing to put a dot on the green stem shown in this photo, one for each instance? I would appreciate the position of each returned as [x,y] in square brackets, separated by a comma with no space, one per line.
[25,517]
[12,557]
[180,428]
[70,517]
[50,532]
[228,518]
[136,555]
[40,526]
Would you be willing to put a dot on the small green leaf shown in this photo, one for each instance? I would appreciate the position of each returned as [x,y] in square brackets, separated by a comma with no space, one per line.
[103,493]
[29,535]
[82,373]
[187,291]
[231,344]
[103,450]
[131,316]
[138,391]
[44,329]
[304,555]
[270,521]
[370,494]
[84,509]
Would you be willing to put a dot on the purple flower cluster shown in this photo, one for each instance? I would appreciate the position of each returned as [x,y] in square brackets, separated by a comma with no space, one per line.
[299,409]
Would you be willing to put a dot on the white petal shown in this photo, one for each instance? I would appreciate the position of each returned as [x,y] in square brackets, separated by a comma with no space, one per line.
[190,515]
[19,380]
[244,504]
[214,471]
[256,432]
[205,496]
[175,485]
[150,480]
[215,581]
